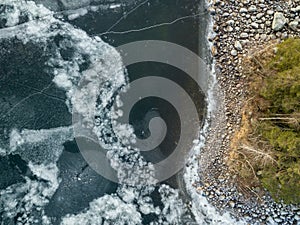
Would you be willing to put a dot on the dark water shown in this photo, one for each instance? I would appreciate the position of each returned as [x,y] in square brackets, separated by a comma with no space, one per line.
[23,73]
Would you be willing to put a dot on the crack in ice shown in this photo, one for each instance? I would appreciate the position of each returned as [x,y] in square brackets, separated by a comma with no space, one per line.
[127,14]
[40,92]
[153,26]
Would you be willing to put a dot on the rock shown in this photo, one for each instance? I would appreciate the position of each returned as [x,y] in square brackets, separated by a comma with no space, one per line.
[255,25]
[233,52]
[297,9]
[279,8]
[284,35]
[278,220]
[212,10]
[252,8]
[278,22]
[243,10]
[244,35]
[238,46]
[231,204]
[268,23]
[270,12]
[214,51]
[294,25]
[230,22]
[229,29]
[259,15]
[263,37]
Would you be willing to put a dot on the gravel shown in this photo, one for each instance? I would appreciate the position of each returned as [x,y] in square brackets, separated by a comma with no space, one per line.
[251,24]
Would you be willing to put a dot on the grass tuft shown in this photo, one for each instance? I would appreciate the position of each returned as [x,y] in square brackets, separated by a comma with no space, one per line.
[267,147]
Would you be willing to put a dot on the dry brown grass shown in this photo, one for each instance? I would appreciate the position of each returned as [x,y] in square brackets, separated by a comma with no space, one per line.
[248,152]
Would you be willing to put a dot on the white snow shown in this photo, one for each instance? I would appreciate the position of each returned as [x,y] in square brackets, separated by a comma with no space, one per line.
[114,6]
[200,206]
[109,208]
[2,152]
[62,81]
[43,146]
[12,18]
[77,13]
[23,198]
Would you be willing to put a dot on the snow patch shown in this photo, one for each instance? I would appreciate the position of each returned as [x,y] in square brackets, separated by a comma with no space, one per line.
[200,207]
[28,199]
[40,146]
[77,13]
[115,6]
[109,208]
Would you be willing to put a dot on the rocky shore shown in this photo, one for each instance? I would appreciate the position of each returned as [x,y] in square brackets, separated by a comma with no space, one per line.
[241,28]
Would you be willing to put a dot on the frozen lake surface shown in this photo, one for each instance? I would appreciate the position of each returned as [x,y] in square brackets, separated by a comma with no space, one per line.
[46,47]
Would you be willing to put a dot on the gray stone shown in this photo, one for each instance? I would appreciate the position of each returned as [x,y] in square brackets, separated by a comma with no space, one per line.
[254,25]
[243,10]
[297,9]
[259,15]
[244,35]
[233,52]
[238,46]
[252,8]
[294,25]
[263,37]
[230,22]
[270,12]
[278,22]
[278,220]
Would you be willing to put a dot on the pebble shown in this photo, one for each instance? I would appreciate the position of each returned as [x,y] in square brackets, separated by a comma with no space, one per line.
[255,25]
[252,8]
[243,10]
[260,15]
[244,35]
[229,29]
[230,22]
[214,51]
[294,25]
[231,204]
[238,46]
[239,25]
[233,52]
[297,9]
